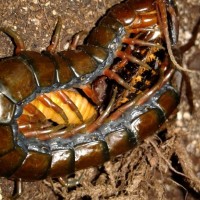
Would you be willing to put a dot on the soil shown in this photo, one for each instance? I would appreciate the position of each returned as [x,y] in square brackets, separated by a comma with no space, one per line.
[157,169]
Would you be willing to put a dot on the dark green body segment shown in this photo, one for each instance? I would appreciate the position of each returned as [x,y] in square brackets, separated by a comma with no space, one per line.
[63,162]
[7,139]
[80,62]
[7,111]
[11,161]
[91,154]
[13,74]
[39,64]
[120,141]
[34,167]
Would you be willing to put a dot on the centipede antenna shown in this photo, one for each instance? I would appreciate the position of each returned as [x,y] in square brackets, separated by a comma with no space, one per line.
[191,41]
[161,8]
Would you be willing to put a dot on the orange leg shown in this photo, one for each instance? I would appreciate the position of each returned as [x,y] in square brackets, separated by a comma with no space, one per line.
[99,121]
[66,100]
[132,41]
[43,132]
[34,119]
[90,93]
[49,103]
[112,75]
[144,96]
[66,133]
[124,55]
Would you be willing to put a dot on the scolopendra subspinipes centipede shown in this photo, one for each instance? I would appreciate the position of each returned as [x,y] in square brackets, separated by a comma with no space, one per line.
[87,78]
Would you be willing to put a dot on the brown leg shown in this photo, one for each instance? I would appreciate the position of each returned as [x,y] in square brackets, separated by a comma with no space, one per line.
[33,111]
[162,11]
[32,119]
[55,38]
[71,182]
[18,189]
[43,134]
[75,40]
[188,91]
[99,121]
[139,30]
[90,93]
[17,39]
[186,79]
[97,90]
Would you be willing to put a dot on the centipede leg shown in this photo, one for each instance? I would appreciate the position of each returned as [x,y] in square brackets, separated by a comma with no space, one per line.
[133,41]
[137,30]
[66,100]
[143,97]
[88,128]
[55,38]
[98,122]
[18,189]
[75,40]
[49,103]
[71,182]
[37,114]
[162,17]
[132,59]
[125,56]
[112,75]
[186,78]
[90,93]
[20,46]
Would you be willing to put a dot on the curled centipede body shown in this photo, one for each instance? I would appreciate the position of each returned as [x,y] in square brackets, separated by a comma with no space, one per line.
[80,107]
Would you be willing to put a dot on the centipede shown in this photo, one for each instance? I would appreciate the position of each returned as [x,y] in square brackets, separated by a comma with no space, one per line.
[78,108]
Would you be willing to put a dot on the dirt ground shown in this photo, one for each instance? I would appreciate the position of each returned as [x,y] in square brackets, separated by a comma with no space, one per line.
[157,169]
